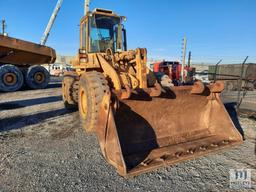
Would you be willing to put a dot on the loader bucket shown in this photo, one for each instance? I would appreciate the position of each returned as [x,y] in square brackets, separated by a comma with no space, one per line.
[147,133]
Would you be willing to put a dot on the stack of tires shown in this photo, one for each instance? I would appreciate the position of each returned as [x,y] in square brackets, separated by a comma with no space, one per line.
[13,78]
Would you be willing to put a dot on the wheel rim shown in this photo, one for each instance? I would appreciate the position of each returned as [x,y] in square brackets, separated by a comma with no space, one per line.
[39,77]
[10,79]
[83,103]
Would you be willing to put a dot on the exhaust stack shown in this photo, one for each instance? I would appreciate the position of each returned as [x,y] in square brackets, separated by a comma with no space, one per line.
[86,6]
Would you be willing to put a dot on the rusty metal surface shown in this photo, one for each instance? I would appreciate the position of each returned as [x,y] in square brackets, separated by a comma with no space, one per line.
[147,133]
[19,52]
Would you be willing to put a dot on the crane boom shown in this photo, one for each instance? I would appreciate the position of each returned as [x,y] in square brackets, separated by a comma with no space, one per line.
[51,22]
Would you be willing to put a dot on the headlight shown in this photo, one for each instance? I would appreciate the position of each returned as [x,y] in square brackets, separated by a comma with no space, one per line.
[82,51]
[83,60]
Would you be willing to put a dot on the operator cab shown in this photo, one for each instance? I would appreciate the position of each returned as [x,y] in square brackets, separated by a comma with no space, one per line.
[102,30]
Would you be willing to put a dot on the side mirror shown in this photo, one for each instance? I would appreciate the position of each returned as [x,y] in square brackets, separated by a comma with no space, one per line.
[123,18]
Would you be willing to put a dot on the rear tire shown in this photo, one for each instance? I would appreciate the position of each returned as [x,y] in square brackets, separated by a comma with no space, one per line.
[37,77]
[70,86]
[11,78]
[92,88]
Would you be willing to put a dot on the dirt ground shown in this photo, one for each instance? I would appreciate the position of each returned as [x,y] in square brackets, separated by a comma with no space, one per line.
[43,148]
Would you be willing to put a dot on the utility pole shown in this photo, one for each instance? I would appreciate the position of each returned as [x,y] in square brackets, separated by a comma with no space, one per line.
[189,59]
[3,26]
[184,49]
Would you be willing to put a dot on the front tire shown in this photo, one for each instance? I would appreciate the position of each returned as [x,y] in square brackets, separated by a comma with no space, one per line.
[92,88]
[11,78]
[37,77]
[70,86]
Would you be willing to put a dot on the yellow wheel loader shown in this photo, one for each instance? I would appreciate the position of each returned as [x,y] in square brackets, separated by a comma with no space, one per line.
[140,126]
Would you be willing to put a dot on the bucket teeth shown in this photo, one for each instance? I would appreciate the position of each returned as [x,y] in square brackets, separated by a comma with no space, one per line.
[191,151]
[147,133]
[203,148]
[178,154]
[164,157]
[225,142]
[147,162]
[214,145]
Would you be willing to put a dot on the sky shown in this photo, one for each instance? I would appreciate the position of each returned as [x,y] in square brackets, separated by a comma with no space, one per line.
[215,29]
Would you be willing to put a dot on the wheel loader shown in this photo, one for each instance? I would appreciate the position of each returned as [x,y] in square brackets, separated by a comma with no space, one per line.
[139,125]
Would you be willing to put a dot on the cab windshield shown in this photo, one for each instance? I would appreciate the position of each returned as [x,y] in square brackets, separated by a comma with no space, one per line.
[103,33]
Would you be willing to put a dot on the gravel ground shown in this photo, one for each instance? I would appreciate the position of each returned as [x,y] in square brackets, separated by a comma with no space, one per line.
[43,148]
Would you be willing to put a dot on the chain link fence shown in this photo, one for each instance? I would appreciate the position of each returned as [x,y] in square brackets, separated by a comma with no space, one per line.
[240,83]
